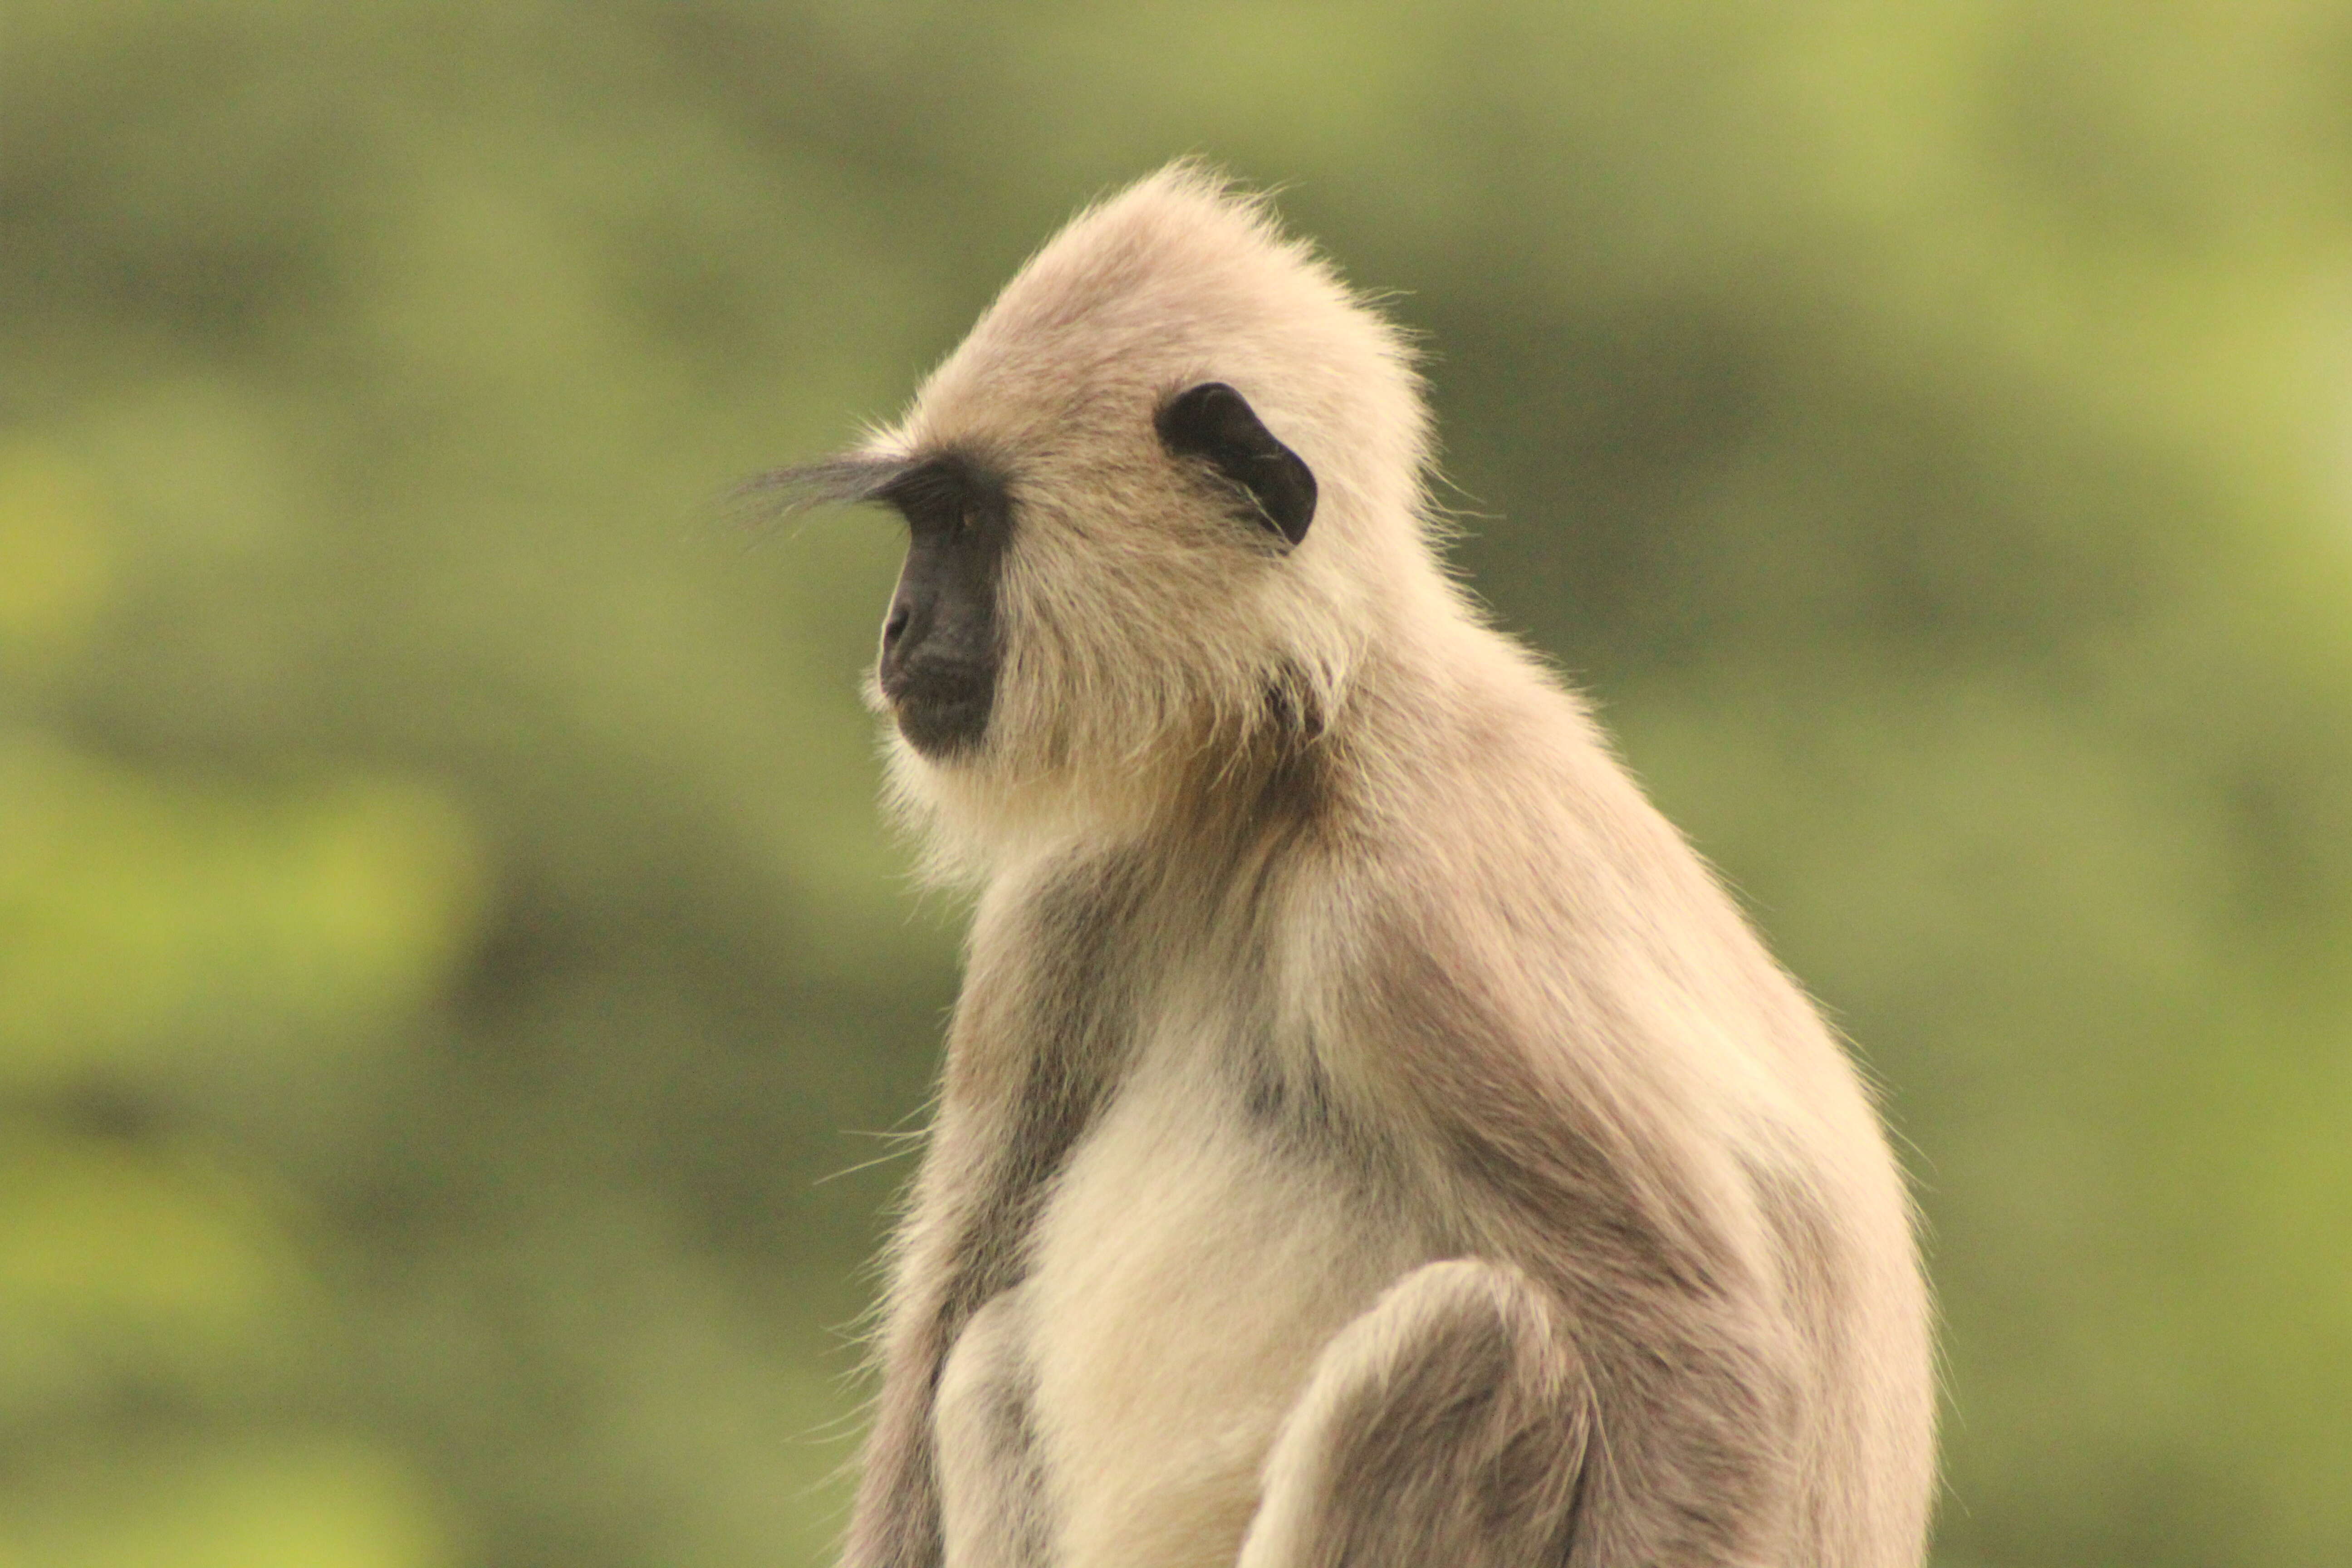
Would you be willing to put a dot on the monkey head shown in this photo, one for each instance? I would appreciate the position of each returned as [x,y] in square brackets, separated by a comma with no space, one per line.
[1161,503]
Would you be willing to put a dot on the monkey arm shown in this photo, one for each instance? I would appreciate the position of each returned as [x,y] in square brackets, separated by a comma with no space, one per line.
[1446,1428]
[991,1491]
[932,1294]
[895,1522]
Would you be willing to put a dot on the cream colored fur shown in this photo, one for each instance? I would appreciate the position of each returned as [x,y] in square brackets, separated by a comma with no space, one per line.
[1368,1133]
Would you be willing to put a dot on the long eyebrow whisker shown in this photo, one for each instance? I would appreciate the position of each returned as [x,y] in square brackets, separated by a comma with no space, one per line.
[777,496]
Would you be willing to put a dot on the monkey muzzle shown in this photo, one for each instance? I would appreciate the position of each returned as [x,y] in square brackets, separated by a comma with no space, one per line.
[938,669]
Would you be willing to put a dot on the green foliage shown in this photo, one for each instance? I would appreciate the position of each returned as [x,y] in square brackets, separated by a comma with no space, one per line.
[447,947]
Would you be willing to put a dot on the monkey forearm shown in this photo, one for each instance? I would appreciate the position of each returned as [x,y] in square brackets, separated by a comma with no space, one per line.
[895,1522]
[1445,1428]
[947,1246]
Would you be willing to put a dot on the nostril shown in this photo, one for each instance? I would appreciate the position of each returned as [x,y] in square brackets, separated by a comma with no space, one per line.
[896,626]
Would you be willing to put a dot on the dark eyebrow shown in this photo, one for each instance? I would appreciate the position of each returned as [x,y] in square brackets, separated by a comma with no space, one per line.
[949,484]
[941,479]
[843,480]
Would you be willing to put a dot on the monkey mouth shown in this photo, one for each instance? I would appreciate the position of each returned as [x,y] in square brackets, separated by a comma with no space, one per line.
[942,712]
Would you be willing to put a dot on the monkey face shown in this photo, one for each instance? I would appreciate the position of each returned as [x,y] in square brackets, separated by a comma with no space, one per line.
[944,636]
[938,669]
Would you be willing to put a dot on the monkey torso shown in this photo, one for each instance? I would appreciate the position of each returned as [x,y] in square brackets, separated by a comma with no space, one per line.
[1201,1113]
[1182,1279]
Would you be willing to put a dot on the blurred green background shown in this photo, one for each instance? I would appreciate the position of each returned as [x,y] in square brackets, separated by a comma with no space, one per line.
[454,993]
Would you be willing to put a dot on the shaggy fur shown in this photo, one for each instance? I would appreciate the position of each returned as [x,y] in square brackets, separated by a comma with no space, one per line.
[1368,1134]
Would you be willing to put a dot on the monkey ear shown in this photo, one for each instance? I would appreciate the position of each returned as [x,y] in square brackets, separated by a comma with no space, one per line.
[1214,422]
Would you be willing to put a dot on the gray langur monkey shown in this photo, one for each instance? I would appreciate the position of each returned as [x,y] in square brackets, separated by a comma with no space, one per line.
[1368,1134]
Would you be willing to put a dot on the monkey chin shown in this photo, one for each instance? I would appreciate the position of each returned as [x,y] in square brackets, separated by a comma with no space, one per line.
[942,713]
[944,729]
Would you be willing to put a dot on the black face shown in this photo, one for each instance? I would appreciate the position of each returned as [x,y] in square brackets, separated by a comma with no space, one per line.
[938,642]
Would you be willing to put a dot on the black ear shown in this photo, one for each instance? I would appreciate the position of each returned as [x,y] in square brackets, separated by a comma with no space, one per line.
[1214,422]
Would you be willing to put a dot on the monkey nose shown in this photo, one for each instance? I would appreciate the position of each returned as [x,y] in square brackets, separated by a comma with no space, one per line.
[896,626]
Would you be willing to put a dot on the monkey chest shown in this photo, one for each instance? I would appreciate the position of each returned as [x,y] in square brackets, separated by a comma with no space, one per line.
[1184,1273]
